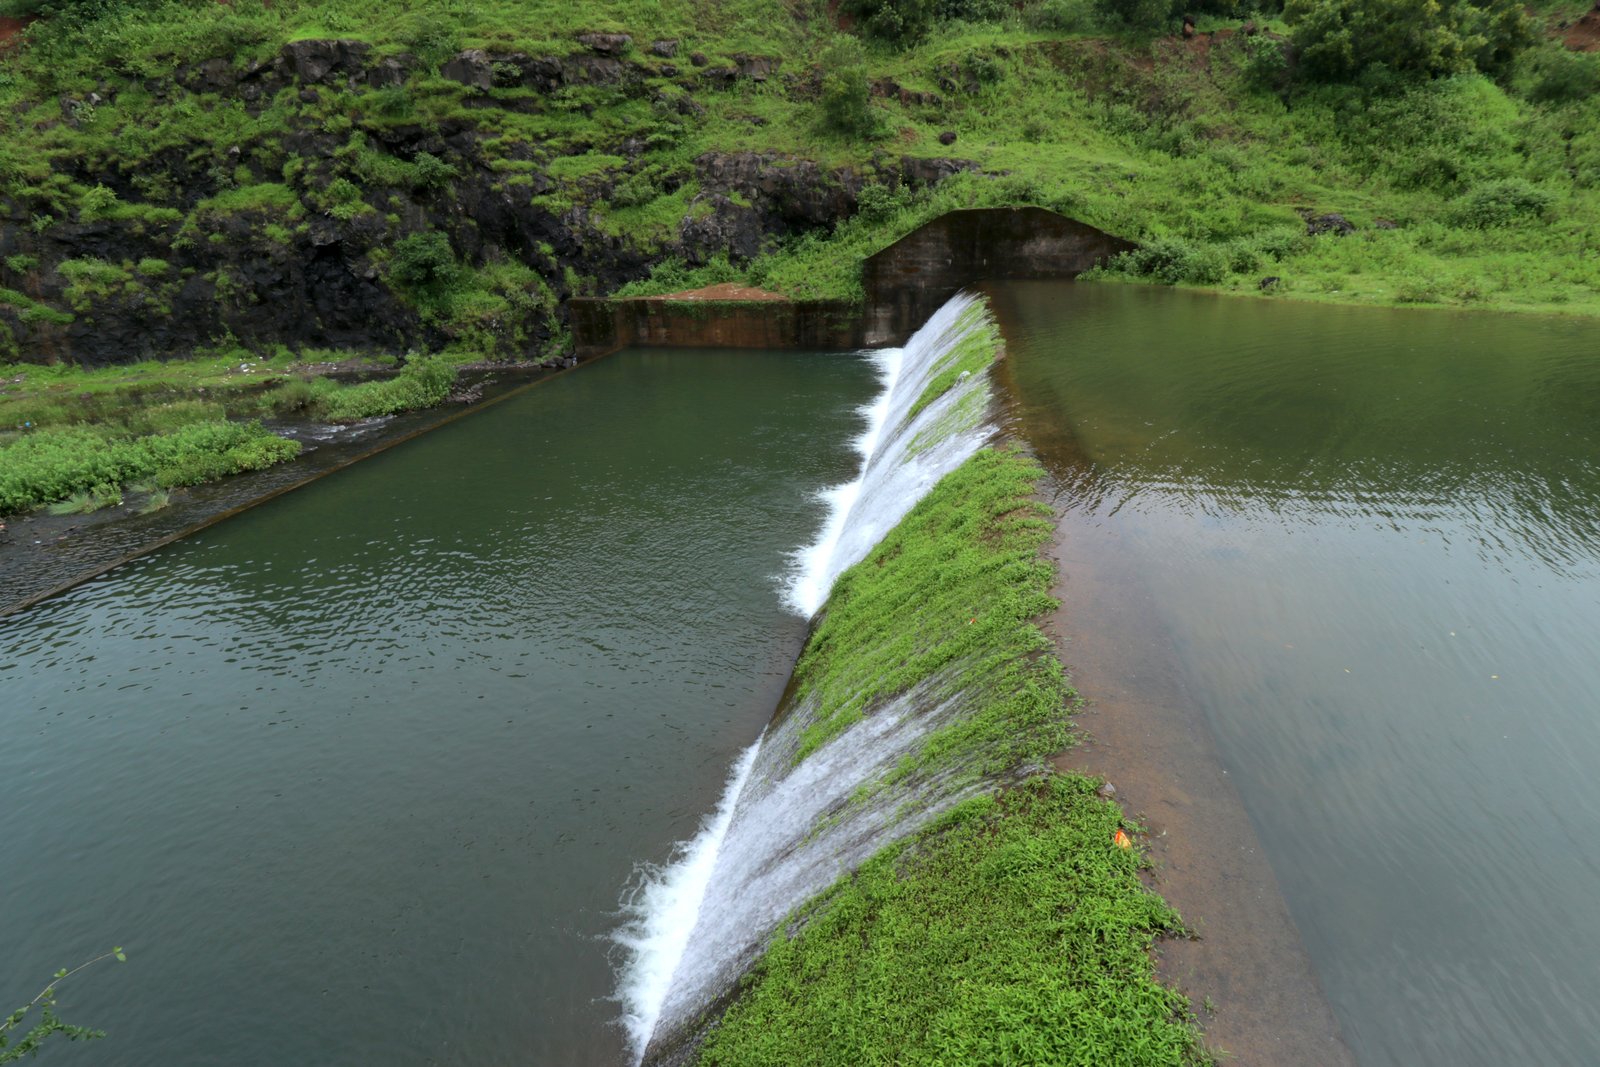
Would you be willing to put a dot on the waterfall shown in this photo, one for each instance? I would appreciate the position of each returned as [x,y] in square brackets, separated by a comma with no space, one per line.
[903,456]
[784,831]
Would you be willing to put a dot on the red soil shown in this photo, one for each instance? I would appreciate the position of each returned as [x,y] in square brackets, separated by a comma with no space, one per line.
[724,291]
[10,30]
[1584,35]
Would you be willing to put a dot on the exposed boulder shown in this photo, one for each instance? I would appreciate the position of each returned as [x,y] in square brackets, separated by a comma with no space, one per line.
[756,68]
[1332,222]
[313,60]
[606,44]
[472,68]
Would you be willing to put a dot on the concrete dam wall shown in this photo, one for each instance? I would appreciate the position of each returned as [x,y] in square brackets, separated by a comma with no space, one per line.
[905,284]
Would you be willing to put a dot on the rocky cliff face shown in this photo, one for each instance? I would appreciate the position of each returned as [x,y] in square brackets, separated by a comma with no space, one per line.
[296,214]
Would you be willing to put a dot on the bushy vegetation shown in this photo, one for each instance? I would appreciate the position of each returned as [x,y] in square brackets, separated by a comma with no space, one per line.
[1013,930]
[78,437]
[51,465]
[1341,39]
[1419,117]
[421,383]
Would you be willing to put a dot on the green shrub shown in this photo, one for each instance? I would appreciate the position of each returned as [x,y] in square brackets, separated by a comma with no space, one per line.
[1501,203]
[1339,40]
[296,397]
[1561,76]
[1172,260]
[1060,16]
[898,21]
[1140,16]
[972,10]
[846,92]
[1265,67]
[423,263]
[430,172]
[423,383]
[50,465]
[96,203]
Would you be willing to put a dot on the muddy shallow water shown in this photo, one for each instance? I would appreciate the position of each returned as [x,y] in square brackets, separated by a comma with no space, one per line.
[1367,548]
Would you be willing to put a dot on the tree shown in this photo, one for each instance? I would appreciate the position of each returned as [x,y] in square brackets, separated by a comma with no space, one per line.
[898,21]
[48,1024]
[1143,16]
[846,92]
[1338,40]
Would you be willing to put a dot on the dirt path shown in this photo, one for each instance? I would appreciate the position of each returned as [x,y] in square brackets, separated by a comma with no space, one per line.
[724,291]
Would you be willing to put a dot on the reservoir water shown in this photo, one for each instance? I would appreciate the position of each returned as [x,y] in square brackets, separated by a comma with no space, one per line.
[1370,541]
[359,775]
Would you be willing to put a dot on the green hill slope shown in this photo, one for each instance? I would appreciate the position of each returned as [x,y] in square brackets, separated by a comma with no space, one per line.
[396,175]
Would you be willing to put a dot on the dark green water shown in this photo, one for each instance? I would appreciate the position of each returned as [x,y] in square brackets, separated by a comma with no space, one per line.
[1372,540]
[358,777]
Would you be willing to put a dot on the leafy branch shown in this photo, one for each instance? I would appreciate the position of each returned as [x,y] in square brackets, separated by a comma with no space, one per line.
[48,1023]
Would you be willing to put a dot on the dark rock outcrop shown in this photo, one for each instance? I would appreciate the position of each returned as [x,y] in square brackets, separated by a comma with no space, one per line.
[283,239]
[1332,222]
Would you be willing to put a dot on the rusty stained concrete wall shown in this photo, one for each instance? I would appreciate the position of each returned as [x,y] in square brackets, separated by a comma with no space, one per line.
[905,284]
[600,325]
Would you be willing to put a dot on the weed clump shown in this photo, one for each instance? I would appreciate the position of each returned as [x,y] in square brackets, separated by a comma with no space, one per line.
[86,467]
[1502,203]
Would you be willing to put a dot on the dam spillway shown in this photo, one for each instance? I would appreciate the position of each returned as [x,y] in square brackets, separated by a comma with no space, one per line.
[791,821]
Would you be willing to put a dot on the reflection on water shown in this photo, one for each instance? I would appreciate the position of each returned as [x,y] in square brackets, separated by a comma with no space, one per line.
[358,776]
[1375,539]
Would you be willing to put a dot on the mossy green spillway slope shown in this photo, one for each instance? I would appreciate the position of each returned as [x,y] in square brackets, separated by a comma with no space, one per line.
[1013,929]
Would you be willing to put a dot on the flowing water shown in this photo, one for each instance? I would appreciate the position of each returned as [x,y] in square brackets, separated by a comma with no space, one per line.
[358,776]
[1371,540]
[785,831]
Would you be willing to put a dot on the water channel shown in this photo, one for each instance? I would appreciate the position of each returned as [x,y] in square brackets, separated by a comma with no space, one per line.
[1371,543]
[358,776]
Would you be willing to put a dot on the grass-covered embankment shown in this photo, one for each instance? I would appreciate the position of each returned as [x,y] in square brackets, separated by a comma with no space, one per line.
[77,438]
[172,165]
[1013,928]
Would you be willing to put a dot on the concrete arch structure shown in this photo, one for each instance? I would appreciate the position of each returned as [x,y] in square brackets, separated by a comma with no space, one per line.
[905,283]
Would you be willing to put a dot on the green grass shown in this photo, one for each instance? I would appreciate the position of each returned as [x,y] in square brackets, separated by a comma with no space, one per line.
[949,596]
[421,383]
[1013,930]
[53,465]
[77,435]
[1159,142]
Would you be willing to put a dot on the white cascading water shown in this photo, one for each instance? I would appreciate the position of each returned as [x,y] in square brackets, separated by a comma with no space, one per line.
[784,831]
[902,458]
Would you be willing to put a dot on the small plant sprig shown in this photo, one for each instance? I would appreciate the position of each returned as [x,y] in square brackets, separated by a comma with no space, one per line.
[48,1024]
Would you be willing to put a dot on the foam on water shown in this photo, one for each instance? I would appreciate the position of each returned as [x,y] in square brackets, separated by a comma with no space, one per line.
[662,909]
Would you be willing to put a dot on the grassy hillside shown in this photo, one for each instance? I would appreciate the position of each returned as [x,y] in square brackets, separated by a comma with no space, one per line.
[183,177]
[1462,190]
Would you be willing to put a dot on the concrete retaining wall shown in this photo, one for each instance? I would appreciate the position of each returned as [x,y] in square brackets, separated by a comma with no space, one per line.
[905,284]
